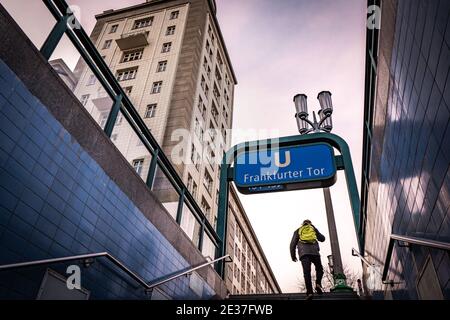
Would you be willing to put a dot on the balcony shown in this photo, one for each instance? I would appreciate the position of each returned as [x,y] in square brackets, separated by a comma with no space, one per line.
[133,39]
[103,101]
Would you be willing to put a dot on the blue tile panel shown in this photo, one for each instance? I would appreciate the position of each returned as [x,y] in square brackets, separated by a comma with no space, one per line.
[413,189]
[55,201]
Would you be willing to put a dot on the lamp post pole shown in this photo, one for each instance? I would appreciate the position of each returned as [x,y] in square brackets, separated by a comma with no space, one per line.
[305,126]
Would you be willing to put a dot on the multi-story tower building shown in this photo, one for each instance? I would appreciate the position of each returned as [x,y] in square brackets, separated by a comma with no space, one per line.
[171,59]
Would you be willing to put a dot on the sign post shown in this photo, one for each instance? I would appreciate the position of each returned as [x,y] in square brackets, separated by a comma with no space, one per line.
[282,164]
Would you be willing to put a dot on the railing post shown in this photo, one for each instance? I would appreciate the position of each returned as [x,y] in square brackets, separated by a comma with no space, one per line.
[54,37]
[202,233]
[180,207]
[112,117]
[222,215]
[387,261]
[152,170]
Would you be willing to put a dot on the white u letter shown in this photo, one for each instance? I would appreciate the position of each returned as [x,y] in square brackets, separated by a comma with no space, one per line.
[286,162]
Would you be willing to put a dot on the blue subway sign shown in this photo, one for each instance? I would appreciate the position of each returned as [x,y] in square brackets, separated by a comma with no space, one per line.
[286,168]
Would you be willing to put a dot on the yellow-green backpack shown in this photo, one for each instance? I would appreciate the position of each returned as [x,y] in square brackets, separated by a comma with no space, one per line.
[307,233]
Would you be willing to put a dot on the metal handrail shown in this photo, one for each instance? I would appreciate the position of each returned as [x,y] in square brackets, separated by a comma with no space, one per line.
[115,261]
[160,282]
[355,253]
[73,258]
[410,240]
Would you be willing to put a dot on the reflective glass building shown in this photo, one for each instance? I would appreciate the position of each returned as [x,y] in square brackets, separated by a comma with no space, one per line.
[406,151]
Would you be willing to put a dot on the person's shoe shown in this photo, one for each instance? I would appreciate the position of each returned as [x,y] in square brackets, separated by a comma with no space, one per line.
[319,289]
[309,296]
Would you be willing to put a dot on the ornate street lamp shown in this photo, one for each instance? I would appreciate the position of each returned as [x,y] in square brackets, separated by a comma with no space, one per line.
[305,125]
[325,124]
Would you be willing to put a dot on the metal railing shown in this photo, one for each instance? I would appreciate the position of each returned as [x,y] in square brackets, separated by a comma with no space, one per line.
[187,272]
[355,253]
[79,38]
[88,259]
[134,33]
[410,241]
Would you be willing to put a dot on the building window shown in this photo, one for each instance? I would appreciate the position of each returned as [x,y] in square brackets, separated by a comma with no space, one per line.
[196,126]
[150,111]
[166,47]
[194,189]
[142,23]
[207,45]
[208,181]
[218,76]
[84,99]
[208,72]
[113,28]
[137,165]
[212,132]
[214,112]
[162,65]
[103,118]
[205,207]
[189,182]
[193,154]
[210,155]
[192,186]
[156,87]
[200,103]
[204,112]
[174,15]
[132,55]
[119,119]
[216,92]
[170,31]
[107,44]
[195,158]
[91,80]
[128,74]
[219,59]
[203,82]
[210,54]
[206,90]
[128,90]
[224,134]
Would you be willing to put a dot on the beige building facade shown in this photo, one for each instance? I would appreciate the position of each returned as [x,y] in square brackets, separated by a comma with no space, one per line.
[250,272]
[171,60]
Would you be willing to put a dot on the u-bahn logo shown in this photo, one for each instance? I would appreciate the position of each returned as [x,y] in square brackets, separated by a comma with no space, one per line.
[287,161]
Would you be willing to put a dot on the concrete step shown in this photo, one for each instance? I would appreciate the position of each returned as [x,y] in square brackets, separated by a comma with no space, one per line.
[297,296]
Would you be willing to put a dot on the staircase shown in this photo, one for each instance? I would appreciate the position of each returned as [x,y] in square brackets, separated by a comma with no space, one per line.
[297,296]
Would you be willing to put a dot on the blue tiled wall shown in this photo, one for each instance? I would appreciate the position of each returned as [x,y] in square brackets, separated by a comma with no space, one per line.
[414,173]
[56,201]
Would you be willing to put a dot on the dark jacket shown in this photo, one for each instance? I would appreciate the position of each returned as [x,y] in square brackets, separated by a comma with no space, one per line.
[305,248]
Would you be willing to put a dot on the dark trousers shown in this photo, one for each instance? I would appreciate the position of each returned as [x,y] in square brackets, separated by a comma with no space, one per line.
[306,264]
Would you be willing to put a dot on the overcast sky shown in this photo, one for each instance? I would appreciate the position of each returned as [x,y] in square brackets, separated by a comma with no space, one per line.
[278,49]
